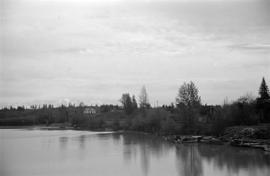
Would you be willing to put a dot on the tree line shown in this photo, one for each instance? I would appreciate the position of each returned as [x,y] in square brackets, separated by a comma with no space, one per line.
[187,115]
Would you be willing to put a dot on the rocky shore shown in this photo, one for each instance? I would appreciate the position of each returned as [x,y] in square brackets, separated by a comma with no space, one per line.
[239,136]
[254,143]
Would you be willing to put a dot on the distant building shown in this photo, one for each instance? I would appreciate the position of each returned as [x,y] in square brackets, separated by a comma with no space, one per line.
[90,110]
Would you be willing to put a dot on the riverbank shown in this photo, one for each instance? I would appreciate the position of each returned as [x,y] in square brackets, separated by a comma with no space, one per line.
[233,136]
[237,136]
[252,143]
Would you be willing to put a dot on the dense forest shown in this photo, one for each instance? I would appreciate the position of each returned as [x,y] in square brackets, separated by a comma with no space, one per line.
[186,116]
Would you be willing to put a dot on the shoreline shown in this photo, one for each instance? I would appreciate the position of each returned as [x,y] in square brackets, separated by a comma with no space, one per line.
[245,143]
[263,144]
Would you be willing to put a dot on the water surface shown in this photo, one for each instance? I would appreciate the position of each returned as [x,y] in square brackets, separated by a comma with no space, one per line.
[68,153]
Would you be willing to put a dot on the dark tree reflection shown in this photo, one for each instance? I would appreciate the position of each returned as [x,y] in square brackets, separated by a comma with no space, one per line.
[63,142]
[234,158]
[82,139]
[188,162]
[146,146]
[149,153]
[190,159]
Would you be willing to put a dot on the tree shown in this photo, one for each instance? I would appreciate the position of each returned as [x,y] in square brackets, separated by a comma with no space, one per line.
[143,98]
[188,102]
[134,103]
[188,95]
[264,91]
[81,104]
[127,103]
[243,110]
[263,102]
[248,98]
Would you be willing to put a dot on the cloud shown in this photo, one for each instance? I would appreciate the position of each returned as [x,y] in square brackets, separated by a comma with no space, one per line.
[252,47]
[74,51]
[79,51]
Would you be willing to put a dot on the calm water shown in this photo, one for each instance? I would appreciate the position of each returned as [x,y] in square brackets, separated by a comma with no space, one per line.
[41,152]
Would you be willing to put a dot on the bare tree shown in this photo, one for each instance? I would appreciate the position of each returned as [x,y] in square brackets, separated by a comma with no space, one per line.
[143,98]
[188,102]
[188,95]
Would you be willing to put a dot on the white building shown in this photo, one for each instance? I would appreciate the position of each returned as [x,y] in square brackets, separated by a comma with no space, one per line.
[90,110]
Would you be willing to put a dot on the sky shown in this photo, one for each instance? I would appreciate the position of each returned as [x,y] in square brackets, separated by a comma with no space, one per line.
[55,51]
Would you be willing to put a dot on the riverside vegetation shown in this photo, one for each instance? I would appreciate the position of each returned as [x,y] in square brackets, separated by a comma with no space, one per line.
[243,122]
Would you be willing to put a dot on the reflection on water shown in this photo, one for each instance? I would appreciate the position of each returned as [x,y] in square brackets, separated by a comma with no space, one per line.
[89,153]
[189,161]
[63,142]
[235,159]
[146,146]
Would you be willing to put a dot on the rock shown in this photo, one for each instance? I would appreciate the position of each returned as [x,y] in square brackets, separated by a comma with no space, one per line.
[247,132]
[252,132]
[266,148]
[235,142]
[211,140]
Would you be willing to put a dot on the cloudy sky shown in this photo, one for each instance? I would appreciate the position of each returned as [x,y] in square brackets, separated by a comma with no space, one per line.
[95,50]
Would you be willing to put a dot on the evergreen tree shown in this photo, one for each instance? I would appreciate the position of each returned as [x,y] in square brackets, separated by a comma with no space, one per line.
[263,102]
[264,91]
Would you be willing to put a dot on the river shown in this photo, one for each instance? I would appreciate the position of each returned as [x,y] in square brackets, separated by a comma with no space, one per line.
[26,152]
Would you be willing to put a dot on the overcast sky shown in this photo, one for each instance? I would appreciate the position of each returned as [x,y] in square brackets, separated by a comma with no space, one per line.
[93,51]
